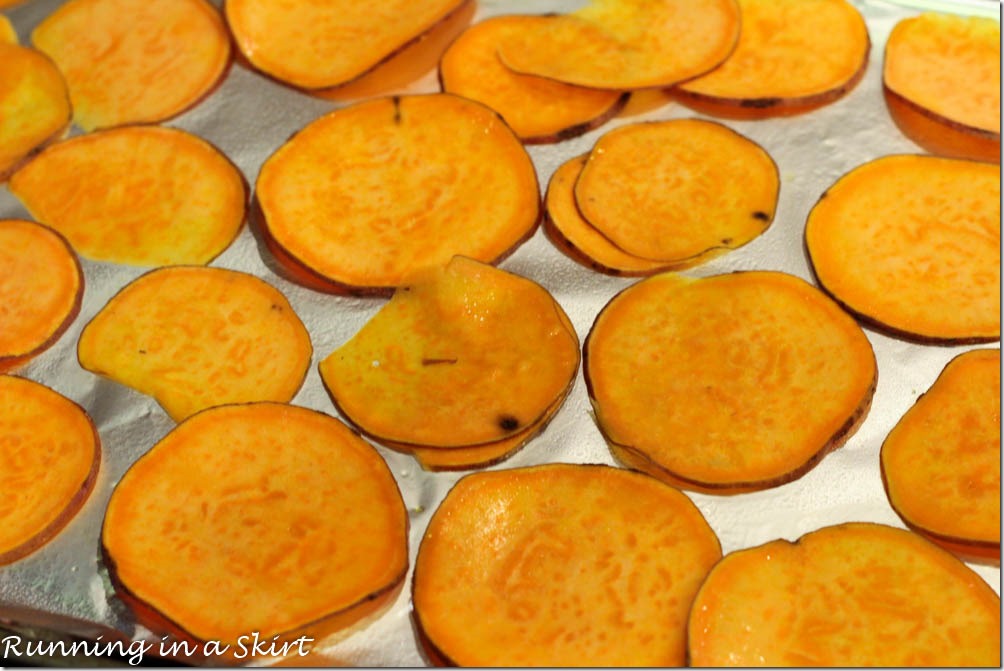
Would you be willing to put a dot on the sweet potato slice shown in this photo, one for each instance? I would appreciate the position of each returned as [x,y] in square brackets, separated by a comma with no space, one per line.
[942,81]
[7,33]
[729,383]
[34,104]
[851,595]
[41,286]
[138,195]
[51,454]
[128,62]
[320,44]
[196,337]
[368,194]
[941,464]
[674,191]
[538,110]
[466,354]
[260,517]
[793,56]
[561,565]
[927,229]
[626,44]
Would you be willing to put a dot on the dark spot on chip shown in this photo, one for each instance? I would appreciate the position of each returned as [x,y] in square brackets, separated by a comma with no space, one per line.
[762,216]
[277,308]
[726,241]
[397,109]
[508,423]
[761,103]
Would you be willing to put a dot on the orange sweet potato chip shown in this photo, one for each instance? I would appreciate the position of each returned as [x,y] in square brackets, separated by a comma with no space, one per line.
[41,286]
[941,464]
[195,337]
[465,354]
[728,383]
[367,195]
[561,565]
[675,191]
[34,104]
[538,110]
[7,33]
[942,82]
[626,44]
[792,56]
[128,62]
[852,595]
[260,517]
[139,195]
[51,455]
[911,244]
[321,44]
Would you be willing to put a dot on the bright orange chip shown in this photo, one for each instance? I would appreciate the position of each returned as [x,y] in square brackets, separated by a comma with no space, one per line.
[626,44]
[41,286]
[365,196]
[34,104]
[51,454]
[792,56]
[7,33]
[318,44]
[911,244]
[128,61]
[465,354]
[195,337]
[941,464]
[675,191]
[538,110]
[139,195]
[561,565]
[852,595]
[729,383]
[261,518]
[942,80]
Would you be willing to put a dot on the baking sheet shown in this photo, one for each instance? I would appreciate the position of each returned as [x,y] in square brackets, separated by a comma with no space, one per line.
[248,117]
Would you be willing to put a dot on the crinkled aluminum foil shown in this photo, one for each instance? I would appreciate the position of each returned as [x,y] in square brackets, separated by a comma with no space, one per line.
[249,117]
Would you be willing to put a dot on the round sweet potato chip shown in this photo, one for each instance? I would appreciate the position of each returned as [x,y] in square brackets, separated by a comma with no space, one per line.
[195,337]
[34,104]
[911,244]
[856,595]
[128,62]
[41,286]
[941,464]
[538,110]
[138,195]
[465,354]
[261,517]
[729,383]
[674,191]
[561,565]
[366,195]
[792,56]
[51,454]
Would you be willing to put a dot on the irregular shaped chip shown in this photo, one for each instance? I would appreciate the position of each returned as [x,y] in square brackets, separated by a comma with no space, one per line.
[538,110]
[561,565]
[128,61]
[941,462]
[729,383]
[51,454]
[942,83]
[263,518]
[793,56]
[465,354]
[849,595]
[626,44]
[41,286]
[675,191]
[34,104]
[195,337]
[911,244]
[323,43]
[138,195]
[366,195]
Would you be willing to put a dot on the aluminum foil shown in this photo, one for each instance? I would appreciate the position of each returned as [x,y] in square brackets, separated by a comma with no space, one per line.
[248,117]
